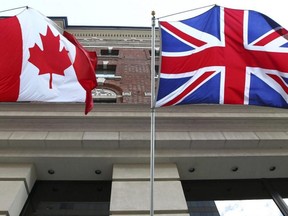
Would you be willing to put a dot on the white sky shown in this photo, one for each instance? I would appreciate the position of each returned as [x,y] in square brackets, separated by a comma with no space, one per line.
[137,12]
[265,207]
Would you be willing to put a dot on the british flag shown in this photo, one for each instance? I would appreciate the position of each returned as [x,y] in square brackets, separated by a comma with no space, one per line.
[223,56]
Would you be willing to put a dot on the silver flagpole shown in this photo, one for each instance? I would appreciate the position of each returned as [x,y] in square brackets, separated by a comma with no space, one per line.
[152,140]
[13,9]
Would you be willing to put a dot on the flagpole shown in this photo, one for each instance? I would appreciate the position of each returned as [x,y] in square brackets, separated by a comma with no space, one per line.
[152,140]
[193,9]
[14,9]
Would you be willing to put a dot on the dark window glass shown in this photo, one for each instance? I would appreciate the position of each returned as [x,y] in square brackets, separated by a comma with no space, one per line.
[68,198]
[110,52]
[106,71]
[157,52]
[229,197]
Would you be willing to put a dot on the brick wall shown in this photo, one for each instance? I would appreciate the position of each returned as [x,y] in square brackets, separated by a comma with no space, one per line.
[133,66]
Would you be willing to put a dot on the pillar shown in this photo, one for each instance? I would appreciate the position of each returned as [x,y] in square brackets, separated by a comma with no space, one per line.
[130,193]
[16,182]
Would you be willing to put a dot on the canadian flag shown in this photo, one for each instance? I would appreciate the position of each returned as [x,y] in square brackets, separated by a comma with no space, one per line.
[38,63]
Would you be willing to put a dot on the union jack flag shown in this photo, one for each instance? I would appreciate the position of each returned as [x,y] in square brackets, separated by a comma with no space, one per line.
[223,56]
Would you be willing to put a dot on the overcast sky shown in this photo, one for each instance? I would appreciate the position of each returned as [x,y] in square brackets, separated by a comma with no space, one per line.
[265,207]
[137,12]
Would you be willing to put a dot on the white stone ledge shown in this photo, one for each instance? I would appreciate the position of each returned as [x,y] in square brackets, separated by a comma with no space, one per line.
[13,196]
[130,172]
[19,172]
[76,110]
[141,140]
[178,140]
[27,139]
[101,140]
[134,140]
[273,139]
[206,140]
[4,138]
[64,139]
[241,140]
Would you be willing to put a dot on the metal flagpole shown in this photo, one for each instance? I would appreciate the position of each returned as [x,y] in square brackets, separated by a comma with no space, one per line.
[13,9]
[193,9]
[152,139]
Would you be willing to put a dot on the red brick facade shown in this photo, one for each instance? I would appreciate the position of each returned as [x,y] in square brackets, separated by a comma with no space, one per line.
[133,69]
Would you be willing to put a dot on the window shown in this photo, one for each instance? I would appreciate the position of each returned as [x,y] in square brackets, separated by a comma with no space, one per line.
[157,52]
[109,52]
[68,198]
[105,70]
[233,197]
[104,96]
[245,197]
[156,70]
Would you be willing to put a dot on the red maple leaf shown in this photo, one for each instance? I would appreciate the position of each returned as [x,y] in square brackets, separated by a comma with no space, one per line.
[50,59]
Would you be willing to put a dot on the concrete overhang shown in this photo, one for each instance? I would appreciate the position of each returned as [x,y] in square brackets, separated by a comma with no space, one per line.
[205,141]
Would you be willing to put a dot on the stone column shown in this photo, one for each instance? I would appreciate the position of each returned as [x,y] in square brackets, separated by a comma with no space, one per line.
[16,182]
[130,193]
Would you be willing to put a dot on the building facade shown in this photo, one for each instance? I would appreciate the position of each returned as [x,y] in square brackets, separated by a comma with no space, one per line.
[209,159]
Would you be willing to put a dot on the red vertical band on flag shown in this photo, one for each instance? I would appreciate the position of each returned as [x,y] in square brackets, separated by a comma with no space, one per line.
[10,59]
[84,65]
[234,57]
